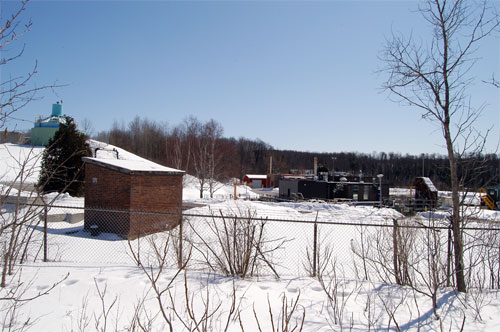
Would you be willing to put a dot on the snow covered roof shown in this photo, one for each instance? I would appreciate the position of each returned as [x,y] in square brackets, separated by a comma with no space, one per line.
[127,166]
[51,121]
[256,176]
[110,156]
[429,184]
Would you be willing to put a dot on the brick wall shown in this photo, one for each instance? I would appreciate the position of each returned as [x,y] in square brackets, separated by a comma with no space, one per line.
[107,190]
[110,189]
[159,193]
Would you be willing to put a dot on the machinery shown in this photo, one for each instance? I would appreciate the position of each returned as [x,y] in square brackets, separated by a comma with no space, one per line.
[490,198]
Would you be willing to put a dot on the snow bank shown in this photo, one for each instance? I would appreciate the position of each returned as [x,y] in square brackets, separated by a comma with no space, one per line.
[15,157]
[303,211]
[472,213]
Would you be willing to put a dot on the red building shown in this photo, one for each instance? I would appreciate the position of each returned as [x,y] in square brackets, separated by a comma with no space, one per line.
[257,181]
[131,197]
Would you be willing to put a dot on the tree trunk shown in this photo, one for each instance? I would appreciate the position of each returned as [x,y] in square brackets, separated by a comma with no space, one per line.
[458,245]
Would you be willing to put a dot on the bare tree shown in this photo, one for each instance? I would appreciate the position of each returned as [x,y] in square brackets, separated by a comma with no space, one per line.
[153,266]
[175,144]
[212,130]
[191,128]
[289,318]
[19,218]
[236,244]
[206,155]
[16,237]
[16,91]
[337,291]
[435,77]
[493,81]
[199,149]
[87,127]
[13,298]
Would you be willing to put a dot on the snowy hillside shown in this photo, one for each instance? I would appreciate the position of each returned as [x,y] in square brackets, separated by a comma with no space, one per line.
[14,157]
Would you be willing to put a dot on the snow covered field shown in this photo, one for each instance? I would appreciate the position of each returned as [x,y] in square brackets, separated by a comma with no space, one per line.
[365,305]
[102,289]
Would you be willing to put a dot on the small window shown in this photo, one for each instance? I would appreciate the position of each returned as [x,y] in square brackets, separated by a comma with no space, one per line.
[94,180]
[366,191]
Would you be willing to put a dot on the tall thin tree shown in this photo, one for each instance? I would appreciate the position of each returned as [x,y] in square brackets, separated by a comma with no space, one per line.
[434,77]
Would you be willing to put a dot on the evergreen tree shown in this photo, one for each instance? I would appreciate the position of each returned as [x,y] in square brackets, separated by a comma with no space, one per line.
[62,165]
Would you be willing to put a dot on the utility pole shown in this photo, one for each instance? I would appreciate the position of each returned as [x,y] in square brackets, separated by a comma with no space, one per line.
[380,176]
[423,173]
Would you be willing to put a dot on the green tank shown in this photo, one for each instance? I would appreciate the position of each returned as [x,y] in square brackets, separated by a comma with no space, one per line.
[57,109]
[44,129]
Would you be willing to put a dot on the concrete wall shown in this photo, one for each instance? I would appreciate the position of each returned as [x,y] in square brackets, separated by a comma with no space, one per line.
[13,137]
[40,136]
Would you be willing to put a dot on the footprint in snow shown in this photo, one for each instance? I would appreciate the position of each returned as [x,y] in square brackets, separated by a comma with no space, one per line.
[263,287]
[70,282]
[129,275]
[292,290]
[317,289]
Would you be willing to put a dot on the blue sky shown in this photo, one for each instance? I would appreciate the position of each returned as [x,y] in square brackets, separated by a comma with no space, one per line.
[296,74]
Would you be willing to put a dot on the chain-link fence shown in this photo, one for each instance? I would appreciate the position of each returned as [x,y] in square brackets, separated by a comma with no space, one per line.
[248,242]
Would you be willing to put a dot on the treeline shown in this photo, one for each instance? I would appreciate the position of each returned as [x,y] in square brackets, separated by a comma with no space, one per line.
[196,147]
[201,150]
[398,169]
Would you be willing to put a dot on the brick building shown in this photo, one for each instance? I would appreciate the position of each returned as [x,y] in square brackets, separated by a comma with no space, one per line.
[131,197]
[257,180]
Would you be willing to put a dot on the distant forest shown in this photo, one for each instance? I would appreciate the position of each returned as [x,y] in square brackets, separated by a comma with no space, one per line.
[201,150]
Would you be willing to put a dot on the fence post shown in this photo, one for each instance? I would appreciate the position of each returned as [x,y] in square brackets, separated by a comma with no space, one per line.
[315,245]
[448,259]
[180,243]
[395,250]
[45,249]
[138,249]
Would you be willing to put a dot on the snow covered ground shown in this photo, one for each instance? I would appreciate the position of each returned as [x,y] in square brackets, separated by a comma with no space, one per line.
[14,157]
[362,306]
[102,288]
[471,198]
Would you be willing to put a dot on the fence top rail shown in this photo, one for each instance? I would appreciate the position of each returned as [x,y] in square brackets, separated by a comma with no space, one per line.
[391,222]
[341,223]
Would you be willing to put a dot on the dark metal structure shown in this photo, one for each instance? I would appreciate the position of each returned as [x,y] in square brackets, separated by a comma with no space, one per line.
[426,194]
[339,189]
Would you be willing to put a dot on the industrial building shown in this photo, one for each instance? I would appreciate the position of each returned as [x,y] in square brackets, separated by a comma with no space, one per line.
[336,187]
[45,129]
[13,137]
[257,180]
[426,194]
